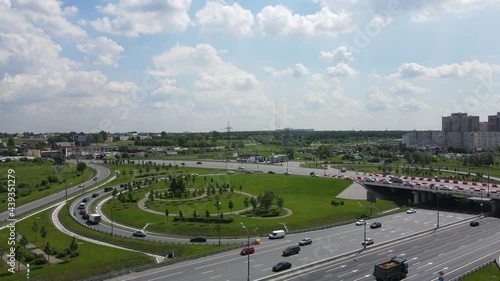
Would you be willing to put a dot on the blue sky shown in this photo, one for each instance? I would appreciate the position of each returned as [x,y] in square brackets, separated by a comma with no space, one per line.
[176,66]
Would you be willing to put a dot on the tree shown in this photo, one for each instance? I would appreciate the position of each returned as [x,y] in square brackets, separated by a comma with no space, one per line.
[81,166]
[48,250]
[253,202]
[23,241]
[231,206]
[280,201]
[195,214]
[266,201]
[43,233]
[19,253]
[115,191]
[34,228]
[207,214]
[181,215]
[2,252]
[166,214]
[73,246]
[246,202]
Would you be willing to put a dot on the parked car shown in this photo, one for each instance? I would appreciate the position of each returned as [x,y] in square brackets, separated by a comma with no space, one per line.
[292,250]
[411,211]
[375,225]
[247,251]
[474,223]
[367,242]
[282,266]
[139,233]
[94,195]
[305,241]
[360,222]
[198,239]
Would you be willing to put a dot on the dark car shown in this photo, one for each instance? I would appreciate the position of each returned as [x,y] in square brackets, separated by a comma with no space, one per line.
[199,163]
[271,172]
[292,250]
[198,239]
[82,212]
[86,199]
[375,225]
[94,195]
[474,223]
[282,266]
[85,216]
[139,233]
[305,241]
[247,251]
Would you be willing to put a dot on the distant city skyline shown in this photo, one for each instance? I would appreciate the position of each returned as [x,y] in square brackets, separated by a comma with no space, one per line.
[194,66]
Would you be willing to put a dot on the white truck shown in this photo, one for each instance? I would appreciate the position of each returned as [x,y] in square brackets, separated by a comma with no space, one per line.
[94,218]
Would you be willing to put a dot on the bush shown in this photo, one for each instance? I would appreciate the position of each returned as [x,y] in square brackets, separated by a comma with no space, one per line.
[40,259]
[61,255]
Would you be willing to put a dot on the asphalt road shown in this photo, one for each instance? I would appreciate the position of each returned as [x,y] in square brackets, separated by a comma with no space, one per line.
[452,251]
[326,244]
[102,173]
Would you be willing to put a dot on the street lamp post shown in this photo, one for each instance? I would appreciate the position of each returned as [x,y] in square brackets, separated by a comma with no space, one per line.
[488,194]
[437,195]
[218,209]
[248,247]
[111,220]
[364,234]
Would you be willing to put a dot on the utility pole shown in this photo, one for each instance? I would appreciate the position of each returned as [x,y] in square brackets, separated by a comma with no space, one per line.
[228,128]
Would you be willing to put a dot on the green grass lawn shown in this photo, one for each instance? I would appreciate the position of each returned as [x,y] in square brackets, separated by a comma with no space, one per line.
[32,174]
[489,273]
[308,198]
[92,259]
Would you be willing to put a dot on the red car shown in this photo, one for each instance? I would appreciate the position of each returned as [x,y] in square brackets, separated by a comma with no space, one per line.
[83,212]
[247,251]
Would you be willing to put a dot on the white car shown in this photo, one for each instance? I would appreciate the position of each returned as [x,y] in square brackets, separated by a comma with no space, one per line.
[241,168]
[367,242]
[411,211]
[360,222]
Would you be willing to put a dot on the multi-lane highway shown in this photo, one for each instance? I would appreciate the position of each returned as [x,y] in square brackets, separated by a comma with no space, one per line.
[328,243]
[102,173]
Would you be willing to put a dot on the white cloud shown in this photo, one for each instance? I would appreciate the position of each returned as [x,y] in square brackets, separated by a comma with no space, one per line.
[298,70]
[468,69]
[51,17]
[219,17]
[341,54]
[168,87]
[5,4]
[341,69]
[133,18]
[279,20]
[411,104]
[204,62]
[376,100]
[381,20]
[104,51]
[403,87]
[426,10]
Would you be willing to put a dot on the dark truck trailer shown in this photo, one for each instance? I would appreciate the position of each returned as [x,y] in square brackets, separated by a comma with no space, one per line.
[393,270]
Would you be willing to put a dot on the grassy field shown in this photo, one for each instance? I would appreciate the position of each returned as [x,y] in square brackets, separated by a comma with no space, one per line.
[308,199]
[32,174]
[489,273]
[92,258]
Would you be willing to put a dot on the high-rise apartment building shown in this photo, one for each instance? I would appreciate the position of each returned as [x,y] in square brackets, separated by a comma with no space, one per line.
[460,123]
[494,123]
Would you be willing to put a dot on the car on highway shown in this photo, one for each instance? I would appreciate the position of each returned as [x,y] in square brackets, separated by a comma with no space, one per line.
[247,251]
[80,185]
[376,225]
[444,187]
[86,199]
[343,170]
[305,241]
[407,183]
[82,212]
[241,168]
[386,182]
[198,239]
[313,174]
[287,173]
[271,172]
[411,211]
[94,195]
[367,242]
[85,216]
[368,179]
[282,266]
[139,233]
[360,222]
[292,250]
[230,172]
[474,223]
[199,163]
[81,206]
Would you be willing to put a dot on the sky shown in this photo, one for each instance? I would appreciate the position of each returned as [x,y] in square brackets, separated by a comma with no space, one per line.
[200,66]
